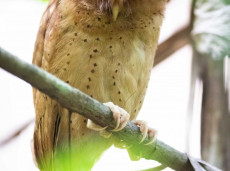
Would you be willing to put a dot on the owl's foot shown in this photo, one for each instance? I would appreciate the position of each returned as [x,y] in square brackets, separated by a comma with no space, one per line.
[145,130]
[120,116]
[91,125]
[102,130]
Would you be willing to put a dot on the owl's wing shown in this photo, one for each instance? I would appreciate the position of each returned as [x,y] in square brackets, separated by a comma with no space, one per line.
[41,35]
[45,21]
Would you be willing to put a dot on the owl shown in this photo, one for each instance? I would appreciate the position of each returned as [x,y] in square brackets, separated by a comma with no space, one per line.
[106,49]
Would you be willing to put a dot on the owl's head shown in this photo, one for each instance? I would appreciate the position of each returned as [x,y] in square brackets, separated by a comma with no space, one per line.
[126,7]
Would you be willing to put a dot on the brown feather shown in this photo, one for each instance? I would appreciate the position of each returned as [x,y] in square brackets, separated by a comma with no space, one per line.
[79,42]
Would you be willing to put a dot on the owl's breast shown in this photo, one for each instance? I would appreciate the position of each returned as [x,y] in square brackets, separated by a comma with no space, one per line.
[108,66]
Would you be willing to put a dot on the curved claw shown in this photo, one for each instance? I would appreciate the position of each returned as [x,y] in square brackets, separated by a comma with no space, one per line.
[120,116]
[145,130]
[117,118]
[91,125]
[120,128]
[152,135]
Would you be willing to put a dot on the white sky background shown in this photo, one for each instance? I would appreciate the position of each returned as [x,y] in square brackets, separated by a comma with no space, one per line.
[165,105]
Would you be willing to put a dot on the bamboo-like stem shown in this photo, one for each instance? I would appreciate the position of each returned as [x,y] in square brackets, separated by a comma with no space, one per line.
[83,104]
[172,44]
[16,133]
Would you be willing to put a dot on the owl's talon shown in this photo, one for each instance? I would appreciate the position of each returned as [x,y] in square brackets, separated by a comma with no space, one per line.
[145,130]
[102,130]
[152,135]
[120,116]
[91,125]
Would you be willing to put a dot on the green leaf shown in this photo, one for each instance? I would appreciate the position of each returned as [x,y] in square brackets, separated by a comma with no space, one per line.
[226,1]
[212,28]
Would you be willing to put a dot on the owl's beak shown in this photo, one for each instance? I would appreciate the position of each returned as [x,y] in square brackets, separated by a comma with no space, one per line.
[115,11]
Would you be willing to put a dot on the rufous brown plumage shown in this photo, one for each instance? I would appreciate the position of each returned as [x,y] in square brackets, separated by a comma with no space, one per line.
[106,49]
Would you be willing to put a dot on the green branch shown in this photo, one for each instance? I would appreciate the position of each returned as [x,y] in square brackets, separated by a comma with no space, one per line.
[83,104]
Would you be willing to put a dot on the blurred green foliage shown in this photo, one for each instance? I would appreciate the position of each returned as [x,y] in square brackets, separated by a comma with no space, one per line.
[211,28]
[226,1]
